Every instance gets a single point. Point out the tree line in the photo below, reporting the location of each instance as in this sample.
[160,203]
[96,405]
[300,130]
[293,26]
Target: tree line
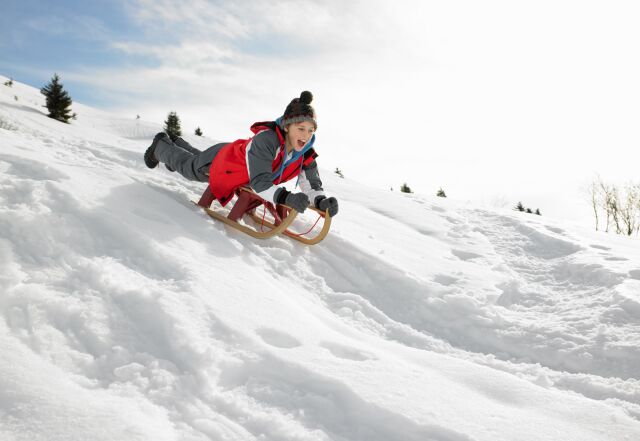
[58,103]
[521,208]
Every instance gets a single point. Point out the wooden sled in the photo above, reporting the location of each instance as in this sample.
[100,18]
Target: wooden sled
[248,201]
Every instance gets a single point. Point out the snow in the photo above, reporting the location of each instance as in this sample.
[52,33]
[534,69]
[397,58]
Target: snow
[127,313]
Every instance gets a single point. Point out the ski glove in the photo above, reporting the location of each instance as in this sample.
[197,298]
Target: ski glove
[297,201]
[324,203]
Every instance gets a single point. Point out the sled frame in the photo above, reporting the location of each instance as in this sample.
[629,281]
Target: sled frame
[247,202]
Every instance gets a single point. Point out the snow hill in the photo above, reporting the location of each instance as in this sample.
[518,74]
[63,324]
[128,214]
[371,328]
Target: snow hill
[126,313]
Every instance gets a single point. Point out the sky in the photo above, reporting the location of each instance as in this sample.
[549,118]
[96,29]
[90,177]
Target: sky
[495,102]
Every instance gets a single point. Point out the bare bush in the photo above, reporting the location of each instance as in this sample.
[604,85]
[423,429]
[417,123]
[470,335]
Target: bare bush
[620,206]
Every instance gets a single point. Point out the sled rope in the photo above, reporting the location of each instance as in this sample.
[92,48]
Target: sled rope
[264,213]
[308,231]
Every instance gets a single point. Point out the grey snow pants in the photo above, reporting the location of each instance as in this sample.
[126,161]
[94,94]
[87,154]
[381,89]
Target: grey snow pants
[187,160]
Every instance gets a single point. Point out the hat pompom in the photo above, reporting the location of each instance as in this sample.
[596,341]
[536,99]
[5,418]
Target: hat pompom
[298,110]
[306,97]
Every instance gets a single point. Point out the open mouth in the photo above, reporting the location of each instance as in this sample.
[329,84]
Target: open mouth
[301,143]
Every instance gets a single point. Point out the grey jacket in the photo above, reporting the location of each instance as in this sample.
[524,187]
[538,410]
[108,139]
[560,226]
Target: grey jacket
[261,151]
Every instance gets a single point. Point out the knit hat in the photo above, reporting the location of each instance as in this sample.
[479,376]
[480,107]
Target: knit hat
[298,110]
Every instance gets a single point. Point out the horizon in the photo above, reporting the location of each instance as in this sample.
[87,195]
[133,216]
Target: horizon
[495,103]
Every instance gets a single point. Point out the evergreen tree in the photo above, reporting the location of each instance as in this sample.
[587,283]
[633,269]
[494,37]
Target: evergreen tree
[58,100]
[172,125]
[520,207]
[405,188]
[9,82]
[339,172]
[198,131]
[538,212]
[528,210]
[441,193]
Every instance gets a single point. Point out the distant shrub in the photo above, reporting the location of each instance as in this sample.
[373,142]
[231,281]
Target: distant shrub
[441,193]
[405,188]
[198,132]
[172,125]
[58,100]
[339,172]
[9,82]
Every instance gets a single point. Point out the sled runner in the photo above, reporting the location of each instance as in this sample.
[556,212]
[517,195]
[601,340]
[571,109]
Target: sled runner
[248,201]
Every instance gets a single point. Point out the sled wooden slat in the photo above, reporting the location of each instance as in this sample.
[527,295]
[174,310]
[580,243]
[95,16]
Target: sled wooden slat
[251,232]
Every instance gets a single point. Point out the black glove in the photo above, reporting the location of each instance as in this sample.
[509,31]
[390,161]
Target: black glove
[297,201]
[324,203]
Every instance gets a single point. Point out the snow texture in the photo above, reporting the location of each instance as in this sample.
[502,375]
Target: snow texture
[127,313]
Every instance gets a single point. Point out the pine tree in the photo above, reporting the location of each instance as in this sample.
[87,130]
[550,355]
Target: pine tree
[198,131]
[405,188]
[58,100]
[528,210]
[538,212]
[9,82]
[172,125]
[339,172]
[441,193]
[520,207]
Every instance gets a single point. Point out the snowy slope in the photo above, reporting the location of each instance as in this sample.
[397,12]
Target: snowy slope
[127,313]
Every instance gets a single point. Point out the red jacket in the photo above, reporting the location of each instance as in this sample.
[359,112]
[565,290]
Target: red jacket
[229,168]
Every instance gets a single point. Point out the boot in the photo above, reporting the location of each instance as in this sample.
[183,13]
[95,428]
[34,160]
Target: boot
[149,156]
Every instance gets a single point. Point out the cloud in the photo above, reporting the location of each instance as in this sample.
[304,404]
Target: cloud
[242,57]
[312,25]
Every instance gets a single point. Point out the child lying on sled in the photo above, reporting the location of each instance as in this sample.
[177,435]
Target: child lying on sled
[279,151]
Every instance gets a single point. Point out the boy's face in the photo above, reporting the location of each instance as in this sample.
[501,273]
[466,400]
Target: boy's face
[298,134]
